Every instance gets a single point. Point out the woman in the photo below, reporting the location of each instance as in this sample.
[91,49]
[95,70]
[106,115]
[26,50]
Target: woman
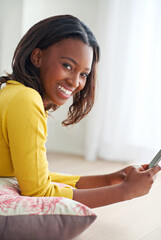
[56,60]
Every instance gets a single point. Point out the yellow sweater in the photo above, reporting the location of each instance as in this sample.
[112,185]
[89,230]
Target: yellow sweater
[23,132]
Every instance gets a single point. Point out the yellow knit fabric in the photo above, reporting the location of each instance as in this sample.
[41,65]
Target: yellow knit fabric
[23,133]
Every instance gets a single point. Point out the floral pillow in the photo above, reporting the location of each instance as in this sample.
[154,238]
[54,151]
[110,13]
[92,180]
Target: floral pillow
[39,218]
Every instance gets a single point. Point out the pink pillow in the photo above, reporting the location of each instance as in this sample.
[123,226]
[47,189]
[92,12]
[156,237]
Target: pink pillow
[39,218]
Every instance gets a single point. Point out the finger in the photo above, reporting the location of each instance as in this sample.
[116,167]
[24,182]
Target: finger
[127,169]
[123,175]
[145,166]
[154,170]
[133,169]
[141,168]
[137,167]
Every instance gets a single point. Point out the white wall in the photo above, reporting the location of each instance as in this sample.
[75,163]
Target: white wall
[36,10]
[18,16]
[10,29]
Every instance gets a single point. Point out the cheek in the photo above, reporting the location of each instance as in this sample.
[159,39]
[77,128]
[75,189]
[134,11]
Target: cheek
[82,84]
[50,74]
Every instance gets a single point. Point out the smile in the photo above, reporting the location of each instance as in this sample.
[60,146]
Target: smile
[67,92]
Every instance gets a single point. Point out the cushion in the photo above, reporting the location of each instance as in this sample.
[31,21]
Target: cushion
[40,218]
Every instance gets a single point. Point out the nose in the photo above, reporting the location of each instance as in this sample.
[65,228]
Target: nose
[74,81]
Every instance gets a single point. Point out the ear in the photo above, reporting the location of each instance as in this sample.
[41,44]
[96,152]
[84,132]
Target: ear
[36,57]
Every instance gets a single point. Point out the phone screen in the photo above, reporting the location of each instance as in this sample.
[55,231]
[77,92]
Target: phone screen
[155,160]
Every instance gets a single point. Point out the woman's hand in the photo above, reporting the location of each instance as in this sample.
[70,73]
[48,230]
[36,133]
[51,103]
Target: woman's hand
[118,177]
[128,183]
[138,181]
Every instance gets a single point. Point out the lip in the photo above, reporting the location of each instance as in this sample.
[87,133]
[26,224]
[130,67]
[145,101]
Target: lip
[62,94]
[66,87]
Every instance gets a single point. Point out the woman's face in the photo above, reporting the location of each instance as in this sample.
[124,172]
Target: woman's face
[64,68]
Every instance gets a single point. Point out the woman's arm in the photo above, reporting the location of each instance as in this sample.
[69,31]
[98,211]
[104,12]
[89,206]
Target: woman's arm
[96,181]
[25,128]
[137,183]
[98,197]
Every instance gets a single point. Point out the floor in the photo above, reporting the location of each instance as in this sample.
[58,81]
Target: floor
[137,219]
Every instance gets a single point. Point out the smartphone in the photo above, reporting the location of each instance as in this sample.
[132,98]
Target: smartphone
[155,160]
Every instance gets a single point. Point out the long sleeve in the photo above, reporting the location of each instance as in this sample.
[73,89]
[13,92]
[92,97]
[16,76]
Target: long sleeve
[63,178]
[26,132]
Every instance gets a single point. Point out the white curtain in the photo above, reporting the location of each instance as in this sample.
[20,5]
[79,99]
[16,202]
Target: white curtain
[125,124]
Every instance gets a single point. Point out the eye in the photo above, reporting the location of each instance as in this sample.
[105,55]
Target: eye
[84,75]
[67,66]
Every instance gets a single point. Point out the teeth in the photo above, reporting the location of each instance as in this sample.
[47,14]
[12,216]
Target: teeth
[64,90]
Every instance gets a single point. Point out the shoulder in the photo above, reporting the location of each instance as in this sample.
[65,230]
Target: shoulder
[26,99]
[27,94]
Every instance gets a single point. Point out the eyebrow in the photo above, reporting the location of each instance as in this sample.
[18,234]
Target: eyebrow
[72,60]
